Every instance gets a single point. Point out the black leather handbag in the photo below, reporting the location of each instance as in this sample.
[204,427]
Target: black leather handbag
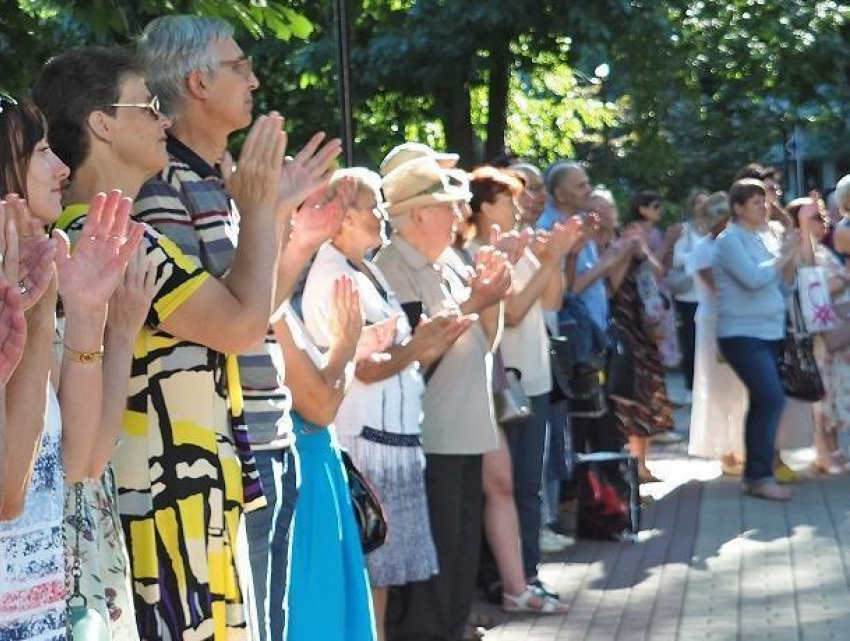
[367,508]
[798,369]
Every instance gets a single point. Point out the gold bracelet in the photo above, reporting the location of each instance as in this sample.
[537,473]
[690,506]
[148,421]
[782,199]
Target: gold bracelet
[86,358]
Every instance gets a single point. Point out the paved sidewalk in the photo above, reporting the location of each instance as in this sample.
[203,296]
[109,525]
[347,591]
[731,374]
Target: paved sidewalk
[710,564]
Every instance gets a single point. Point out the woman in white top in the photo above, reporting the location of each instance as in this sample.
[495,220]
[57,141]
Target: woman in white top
[513,473]
[379,417]
[719,398]
[682,285]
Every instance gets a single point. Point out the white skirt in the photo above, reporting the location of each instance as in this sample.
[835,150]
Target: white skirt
[720,400]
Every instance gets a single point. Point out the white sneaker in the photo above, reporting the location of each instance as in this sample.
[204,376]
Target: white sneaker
[551,542]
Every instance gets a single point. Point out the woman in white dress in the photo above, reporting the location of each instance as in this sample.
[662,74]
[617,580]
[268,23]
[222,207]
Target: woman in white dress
[719,398]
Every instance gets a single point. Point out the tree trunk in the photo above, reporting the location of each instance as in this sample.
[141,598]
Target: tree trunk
[453,107]
[497,97]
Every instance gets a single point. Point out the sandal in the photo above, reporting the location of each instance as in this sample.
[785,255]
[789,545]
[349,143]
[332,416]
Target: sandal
[827,466]
[523,603]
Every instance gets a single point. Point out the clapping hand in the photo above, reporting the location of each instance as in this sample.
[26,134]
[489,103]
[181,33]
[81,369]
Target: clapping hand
[307,173]
[512,243]
[36,252]
[320,217]
[89,276]
[346,320]
[436,334]
[129,305]
[492,279]
[13,324]
[376,339]
[254,183]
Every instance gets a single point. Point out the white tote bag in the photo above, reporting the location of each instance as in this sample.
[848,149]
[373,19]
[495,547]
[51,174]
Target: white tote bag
[815,300]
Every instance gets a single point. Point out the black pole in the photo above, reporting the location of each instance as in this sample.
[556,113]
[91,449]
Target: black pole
[344,70]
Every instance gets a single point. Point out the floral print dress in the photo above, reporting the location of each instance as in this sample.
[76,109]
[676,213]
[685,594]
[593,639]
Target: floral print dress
[105,580]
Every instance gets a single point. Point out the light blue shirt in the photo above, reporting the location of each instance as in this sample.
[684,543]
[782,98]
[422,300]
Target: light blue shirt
[750,293]
[595,296]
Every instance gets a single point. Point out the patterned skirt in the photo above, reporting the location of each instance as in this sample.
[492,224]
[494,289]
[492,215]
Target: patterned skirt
[395,466]
[648,411]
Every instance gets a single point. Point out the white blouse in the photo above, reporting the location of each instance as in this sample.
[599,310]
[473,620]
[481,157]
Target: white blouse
[392,405]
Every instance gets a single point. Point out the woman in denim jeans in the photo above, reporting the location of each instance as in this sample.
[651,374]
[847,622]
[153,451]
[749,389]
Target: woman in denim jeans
[751,286]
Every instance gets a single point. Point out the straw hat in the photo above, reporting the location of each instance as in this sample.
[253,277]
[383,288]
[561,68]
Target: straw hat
[419,183]
[411,151]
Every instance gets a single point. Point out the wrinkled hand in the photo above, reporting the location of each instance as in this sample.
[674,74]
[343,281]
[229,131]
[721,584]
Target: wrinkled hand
[436,334]
[307,173]
[376,338]
[13,323]
[492,280]
[89,276]
[129,305]
[254,183]
[320,217]
[555,245]
[346,319]
[35,252]
[512,243]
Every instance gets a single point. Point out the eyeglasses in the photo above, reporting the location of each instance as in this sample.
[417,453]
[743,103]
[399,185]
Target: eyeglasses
[6,99]
[151,107]
[655,206]
[241,66]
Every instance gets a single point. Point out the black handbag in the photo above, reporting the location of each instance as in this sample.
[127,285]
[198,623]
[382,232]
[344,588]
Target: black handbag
[798,369]
[367,508]
[580,383]
[621,365]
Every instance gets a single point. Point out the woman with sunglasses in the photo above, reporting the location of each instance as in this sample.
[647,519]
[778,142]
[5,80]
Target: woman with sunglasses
[61,446]
[646,411]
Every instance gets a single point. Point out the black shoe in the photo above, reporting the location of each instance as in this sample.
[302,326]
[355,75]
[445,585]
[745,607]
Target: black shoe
[542,590]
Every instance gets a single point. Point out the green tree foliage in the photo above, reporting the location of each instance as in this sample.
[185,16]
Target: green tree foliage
[697,87]
[33,30]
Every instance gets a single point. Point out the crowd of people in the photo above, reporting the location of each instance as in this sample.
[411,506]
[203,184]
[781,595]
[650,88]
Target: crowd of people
[190,345]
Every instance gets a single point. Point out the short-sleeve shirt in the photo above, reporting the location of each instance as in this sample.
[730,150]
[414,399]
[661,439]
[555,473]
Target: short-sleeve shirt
[526,345]
[595,295]
[190,206]
[458,399]
[394,404]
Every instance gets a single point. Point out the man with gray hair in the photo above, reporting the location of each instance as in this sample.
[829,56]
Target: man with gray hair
[182,508]
[568,189]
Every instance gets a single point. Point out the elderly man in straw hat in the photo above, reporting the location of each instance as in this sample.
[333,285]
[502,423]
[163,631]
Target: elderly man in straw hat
[458,427]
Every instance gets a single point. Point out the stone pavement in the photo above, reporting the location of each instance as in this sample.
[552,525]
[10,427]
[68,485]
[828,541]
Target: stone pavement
[709,564]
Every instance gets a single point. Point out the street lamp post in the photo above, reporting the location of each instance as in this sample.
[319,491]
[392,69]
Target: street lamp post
[344,70]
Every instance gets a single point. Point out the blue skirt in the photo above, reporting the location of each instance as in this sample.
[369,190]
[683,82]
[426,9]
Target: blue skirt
[328,596]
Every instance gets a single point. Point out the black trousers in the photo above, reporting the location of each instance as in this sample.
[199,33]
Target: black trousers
[437,609]
[687,339]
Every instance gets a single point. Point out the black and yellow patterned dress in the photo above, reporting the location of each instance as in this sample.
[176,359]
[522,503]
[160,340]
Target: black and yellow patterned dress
[182,471]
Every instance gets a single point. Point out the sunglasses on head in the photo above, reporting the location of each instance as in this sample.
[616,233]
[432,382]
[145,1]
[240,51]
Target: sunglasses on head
[7,101]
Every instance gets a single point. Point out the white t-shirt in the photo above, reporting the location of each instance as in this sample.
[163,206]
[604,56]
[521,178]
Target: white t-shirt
[684,246]
[526,346]
[392,405]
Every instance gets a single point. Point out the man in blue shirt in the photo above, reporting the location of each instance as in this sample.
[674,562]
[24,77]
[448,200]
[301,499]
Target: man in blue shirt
[568,189]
